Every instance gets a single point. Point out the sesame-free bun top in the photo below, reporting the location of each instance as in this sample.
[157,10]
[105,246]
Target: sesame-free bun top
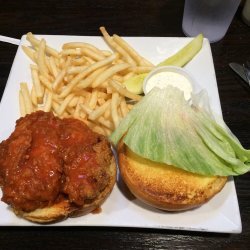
[163,186]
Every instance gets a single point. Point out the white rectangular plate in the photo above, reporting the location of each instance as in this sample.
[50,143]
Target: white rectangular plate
[220,214]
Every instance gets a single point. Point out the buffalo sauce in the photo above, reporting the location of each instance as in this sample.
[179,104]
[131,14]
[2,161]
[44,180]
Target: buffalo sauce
[47,158]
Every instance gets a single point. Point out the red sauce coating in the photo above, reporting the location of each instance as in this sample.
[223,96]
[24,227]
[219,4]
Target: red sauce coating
[47,157]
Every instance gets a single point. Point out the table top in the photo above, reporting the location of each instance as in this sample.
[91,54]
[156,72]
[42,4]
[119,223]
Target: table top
[132,18]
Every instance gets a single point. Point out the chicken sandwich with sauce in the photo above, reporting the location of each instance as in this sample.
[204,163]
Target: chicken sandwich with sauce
[53,168]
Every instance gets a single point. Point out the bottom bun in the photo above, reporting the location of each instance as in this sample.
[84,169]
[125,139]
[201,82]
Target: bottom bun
[65,208]
[163,186]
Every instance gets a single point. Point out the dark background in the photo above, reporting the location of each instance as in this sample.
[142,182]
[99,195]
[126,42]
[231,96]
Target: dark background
[131,18]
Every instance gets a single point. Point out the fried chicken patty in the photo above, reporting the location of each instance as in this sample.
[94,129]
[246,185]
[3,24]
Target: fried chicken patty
[47,158]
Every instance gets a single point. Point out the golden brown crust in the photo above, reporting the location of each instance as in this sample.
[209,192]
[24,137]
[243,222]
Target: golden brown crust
[65,209]
[165,187]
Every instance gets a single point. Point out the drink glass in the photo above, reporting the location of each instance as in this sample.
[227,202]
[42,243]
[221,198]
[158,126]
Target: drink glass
[246,12]
[209,17]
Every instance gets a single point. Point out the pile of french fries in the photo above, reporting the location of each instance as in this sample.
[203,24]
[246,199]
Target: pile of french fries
[82,81]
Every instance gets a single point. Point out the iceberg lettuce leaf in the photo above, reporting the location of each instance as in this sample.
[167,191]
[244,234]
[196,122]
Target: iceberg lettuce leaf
[164,127]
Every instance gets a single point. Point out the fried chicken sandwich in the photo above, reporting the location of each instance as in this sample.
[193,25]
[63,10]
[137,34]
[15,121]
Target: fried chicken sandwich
[52,168]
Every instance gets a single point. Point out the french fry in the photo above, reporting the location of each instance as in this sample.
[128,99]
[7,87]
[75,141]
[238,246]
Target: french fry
[93,99]
[35,42]
[98,129]
[30,53]
[107,131]
[33,96]
[92,54]
[81,92]
[73,101]
[123,107]
[76,69]
[22,104]
[107,114]
[85,108]
[117,78]
[77,112]
[62,61]
[116,47]
[103,85]
[79,61]
[114,109]
[37,84]
[88,96]
[58,80]
[55,105]
[102,95]
[106,52]
[45,81]
[53,66]
[57,99]
[109,90]
[64,104]
[107,123]
[74,45]
[90,78]
[100,101]
[99,111]
[71,52]
[108,73]
[48,64]
[26,98]
[48,102]
[90,60]
[140,61]
[42,67]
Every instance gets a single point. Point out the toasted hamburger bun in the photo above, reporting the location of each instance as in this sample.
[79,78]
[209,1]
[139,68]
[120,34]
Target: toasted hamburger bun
[163,186]
[65,208]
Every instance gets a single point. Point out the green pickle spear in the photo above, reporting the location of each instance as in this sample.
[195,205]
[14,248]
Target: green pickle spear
[134,84]
[180,59]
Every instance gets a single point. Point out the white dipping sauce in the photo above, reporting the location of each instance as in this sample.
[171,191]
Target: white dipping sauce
[163,79]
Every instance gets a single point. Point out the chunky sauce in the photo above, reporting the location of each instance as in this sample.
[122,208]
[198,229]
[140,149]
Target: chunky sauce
[46,158]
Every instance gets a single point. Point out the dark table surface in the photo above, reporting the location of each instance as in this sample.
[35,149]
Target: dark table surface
[131,18]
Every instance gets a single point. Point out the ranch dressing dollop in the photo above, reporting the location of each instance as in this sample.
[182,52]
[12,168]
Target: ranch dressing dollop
[163,79]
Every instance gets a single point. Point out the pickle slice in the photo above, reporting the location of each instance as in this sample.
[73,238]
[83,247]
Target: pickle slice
[186,54]
[180,59]
[134,84]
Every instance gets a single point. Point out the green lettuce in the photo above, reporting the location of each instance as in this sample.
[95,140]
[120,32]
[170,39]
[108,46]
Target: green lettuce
[164,127]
